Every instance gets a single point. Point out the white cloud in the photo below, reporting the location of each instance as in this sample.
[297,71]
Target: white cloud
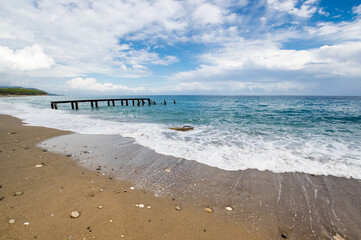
[208,14]
[91,84]
[26,59]
[306,10]
[357,9]
[256,62]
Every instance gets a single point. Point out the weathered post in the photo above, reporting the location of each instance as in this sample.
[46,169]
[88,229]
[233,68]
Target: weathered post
[149,102]
[76,105]
[174,101]
[56,106]
[154,102]
[122,102]
[92,104]
[126,102]
[165,103]
[113,103]
[96,104]
[108,103]
[72,105]
[133,102]
[52,106]
[138,102]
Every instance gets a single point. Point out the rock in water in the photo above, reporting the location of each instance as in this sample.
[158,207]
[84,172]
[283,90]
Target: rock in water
[178,208]
[208,210]
[75,214]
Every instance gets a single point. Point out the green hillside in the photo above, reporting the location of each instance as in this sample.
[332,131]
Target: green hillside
[21,91]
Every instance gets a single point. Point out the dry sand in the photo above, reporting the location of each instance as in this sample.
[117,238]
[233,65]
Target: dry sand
[60,186]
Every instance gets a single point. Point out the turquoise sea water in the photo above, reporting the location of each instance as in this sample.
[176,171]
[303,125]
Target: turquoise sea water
[318,135]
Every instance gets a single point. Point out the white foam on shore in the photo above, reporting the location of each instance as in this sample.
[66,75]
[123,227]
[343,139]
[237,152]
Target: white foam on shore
[223,148]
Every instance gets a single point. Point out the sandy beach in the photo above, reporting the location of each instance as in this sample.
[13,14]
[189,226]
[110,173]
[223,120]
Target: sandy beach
[93,175]
[50,193]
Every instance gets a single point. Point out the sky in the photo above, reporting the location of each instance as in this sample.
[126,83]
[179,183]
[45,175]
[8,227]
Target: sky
[221,47]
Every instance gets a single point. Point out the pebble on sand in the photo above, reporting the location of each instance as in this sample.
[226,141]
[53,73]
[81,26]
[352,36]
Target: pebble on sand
[208,210]
[12,221]
[26,223]
[39,165]
[132,188]
[75,214]
[338,237]
[167,170]
[178,208]
[149,207]
[18,193]
[100,206]
[229,208]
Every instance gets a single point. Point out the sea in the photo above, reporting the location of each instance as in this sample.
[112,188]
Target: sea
[318,135]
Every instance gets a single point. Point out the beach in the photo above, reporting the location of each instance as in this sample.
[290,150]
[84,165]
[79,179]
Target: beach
[85,178]
[51,192]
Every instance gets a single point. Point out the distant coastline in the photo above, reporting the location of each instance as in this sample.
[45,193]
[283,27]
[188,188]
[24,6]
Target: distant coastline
[16,91]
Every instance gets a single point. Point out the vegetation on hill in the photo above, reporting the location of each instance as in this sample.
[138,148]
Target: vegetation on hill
[21,91]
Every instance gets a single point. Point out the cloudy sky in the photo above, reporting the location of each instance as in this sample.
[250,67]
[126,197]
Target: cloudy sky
[306,47]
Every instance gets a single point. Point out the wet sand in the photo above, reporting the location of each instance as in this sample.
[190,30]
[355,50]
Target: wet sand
[265,205]
[297,205]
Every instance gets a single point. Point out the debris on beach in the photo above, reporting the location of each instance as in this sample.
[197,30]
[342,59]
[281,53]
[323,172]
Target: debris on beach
[26,223]
[101,190]
[140,205]
[149,207]
[182,129]
[178,208]
[74,214]
[12,221]
[10,133]
[167,170]
[229,208]
[132,188]
[338,237]
[208,210]
[100,206]
[38,165]
[18,193]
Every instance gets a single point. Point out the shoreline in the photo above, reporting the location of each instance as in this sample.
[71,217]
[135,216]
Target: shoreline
[293,204]
[265,205]
[51,192]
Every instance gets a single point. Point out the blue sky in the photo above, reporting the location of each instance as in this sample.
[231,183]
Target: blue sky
[303,47]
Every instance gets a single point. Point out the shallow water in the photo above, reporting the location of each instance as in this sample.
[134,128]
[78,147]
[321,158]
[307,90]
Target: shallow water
[316,135]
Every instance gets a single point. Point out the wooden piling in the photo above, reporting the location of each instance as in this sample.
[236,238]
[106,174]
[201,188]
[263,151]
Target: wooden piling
[92,104]
[122,102]
[113,102]
[72,105]
[96,104]
[126,102]
[76,105]
[133,102]
[108,103]
[165,103]
[52,106]
[56,106]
